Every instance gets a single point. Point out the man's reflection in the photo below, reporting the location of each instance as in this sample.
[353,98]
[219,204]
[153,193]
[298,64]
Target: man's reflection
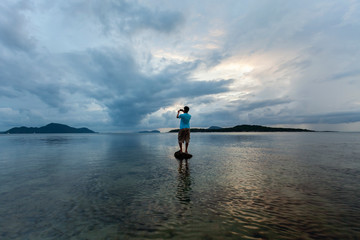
[184,182]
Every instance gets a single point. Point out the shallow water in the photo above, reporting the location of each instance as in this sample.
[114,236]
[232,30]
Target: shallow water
[130,186]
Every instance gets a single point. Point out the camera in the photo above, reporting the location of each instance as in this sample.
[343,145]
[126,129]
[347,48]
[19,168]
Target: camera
[181,110]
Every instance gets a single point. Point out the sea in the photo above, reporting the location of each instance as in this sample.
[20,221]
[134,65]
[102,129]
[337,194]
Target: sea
[130,186]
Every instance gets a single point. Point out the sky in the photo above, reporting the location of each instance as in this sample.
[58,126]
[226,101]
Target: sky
[115,65]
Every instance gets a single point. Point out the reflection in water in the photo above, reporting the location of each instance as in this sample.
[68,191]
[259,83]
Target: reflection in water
[184,182]
[55,140]
[129,186]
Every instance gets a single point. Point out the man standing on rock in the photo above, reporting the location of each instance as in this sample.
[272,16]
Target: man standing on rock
[184,132]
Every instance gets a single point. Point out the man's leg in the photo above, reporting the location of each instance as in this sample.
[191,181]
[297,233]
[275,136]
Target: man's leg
[187,140]
[180,145]
[180,139]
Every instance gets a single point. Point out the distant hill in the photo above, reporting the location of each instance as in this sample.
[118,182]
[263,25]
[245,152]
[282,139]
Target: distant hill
[214,127]
[153,131]
[50,128]
[247,128]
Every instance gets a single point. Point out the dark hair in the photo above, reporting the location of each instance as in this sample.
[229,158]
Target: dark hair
[186,109]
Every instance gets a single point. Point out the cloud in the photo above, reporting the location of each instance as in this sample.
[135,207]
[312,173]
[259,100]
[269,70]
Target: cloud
[123,16]
[23,74]
[249,106]
[243,112]
[109,76]
[14,32]
[129,94]
[287,118]
[347,74]
[331,118]
[130,64]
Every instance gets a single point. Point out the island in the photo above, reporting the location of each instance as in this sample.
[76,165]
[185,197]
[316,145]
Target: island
[50,128]
[153,131]
[246,128]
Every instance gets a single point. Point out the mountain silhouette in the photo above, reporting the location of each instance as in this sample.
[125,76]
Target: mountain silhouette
[246,128]
[50,128]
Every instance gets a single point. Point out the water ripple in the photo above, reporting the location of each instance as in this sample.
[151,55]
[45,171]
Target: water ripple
[237,186]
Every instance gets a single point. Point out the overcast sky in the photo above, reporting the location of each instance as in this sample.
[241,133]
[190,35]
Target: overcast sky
[129,65]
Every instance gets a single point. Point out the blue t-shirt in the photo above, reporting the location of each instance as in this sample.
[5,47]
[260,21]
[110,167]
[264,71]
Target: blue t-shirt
[184,120]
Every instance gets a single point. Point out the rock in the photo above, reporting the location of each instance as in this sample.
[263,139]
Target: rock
[181,155]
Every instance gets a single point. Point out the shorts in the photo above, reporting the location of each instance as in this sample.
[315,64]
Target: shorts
[184,135]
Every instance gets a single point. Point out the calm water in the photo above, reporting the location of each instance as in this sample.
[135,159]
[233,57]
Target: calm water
[129,186]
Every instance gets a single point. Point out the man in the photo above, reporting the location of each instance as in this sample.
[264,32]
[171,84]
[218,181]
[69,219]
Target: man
[184,132]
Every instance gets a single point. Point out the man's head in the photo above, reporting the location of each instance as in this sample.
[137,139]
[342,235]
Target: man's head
[186,109]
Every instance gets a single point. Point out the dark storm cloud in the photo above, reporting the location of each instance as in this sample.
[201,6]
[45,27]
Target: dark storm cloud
[14,34]
[49,94]
[130,94]
[113,79]
[130,111]
[25,74]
